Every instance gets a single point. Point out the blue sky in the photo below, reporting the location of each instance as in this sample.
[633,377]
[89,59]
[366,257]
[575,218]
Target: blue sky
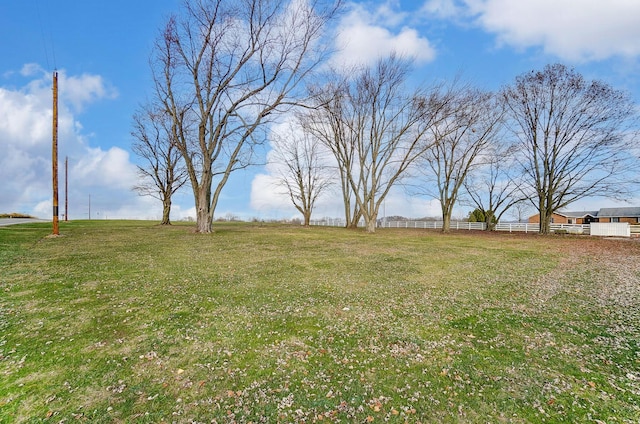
[101,51]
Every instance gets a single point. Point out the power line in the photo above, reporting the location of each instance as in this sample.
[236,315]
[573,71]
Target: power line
[47,36]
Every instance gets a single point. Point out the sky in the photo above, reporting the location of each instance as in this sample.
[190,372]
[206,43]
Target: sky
[101,50]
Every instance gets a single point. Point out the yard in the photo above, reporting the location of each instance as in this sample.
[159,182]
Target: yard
[125,321]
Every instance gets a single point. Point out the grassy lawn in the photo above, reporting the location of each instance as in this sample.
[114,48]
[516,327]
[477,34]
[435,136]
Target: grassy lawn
[131,322]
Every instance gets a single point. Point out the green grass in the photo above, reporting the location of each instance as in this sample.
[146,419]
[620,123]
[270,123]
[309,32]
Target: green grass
[122,321]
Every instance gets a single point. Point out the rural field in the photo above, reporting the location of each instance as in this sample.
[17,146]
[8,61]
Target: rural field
[130,322]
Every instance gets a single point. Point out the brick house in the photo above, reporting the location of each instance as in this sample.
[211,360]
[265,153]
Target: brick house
[630,215]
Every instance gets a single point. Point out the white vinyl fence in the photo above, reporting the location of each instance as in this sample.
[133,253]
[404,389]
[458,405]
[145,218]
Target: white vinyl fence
[434,225]
[511,227]
[611,229]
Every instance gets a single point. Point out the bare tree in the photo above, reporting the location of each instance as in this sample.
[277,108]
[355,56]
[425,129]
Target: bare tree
[331,123]
[223,69]
[520,211]
[494,188]
[573,135]
[303,170]
[374,126]
[162,172]
[467,127]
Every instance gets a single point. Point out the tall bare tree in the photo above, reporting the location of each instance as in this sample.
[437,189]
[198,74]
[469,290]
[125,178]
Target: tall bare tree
[331,123]
[223,69]
[304,172]
[574,137]
[375,125]
[467,127]
[162,171]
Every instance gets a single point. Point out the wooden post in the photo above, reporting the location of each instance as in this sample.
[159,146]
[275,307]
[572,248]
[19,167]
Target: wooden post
[54,154]
[66,188]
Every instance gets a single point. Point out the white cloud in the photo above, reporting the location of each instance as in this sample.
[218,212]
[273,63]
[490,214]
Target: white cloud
[572,30]
[443,9]
[267,195]
[110,167]
[31,69]
[25,143]
[84,89]
[366,36]
[399,203]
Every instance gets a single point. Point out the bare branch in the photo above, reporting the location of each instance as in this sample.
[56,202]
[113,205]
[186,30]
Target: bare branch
[466,128]
[304,173]
[162,171]
[574,138]
[225,68]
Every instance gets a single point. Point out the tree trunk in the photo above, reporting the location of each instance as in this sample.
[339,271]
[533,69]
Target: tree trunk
[490,225]
[348,218]
[545,223]
[446,222]
[371,226]
[545,218]
[355,218]
[347,214]
[203,224]
[447,209]
[307,218]
[489,221]
[166,211]
[203,213]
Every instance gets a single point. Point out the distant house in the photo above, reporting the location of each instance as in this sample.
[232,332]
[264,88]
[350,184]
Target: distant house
[630,215]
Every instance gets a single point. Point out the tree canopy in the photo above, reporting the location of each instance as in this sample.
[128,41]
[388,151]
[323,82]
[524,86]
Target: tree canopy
[573,137]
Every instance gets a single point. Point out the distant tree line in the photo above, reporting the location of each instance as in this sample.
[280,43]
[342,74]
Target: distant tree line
[224,72]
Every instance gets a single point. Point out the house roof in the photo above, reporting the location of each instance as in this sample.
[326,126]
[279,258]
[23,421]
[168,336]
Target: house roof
[619,212]
[629,212]
[604,213]
[580,214]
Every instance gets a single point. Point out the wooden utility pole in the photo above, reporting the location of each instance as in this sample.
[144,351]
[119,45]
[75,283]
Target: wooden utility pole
[66,188]
[54,154]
